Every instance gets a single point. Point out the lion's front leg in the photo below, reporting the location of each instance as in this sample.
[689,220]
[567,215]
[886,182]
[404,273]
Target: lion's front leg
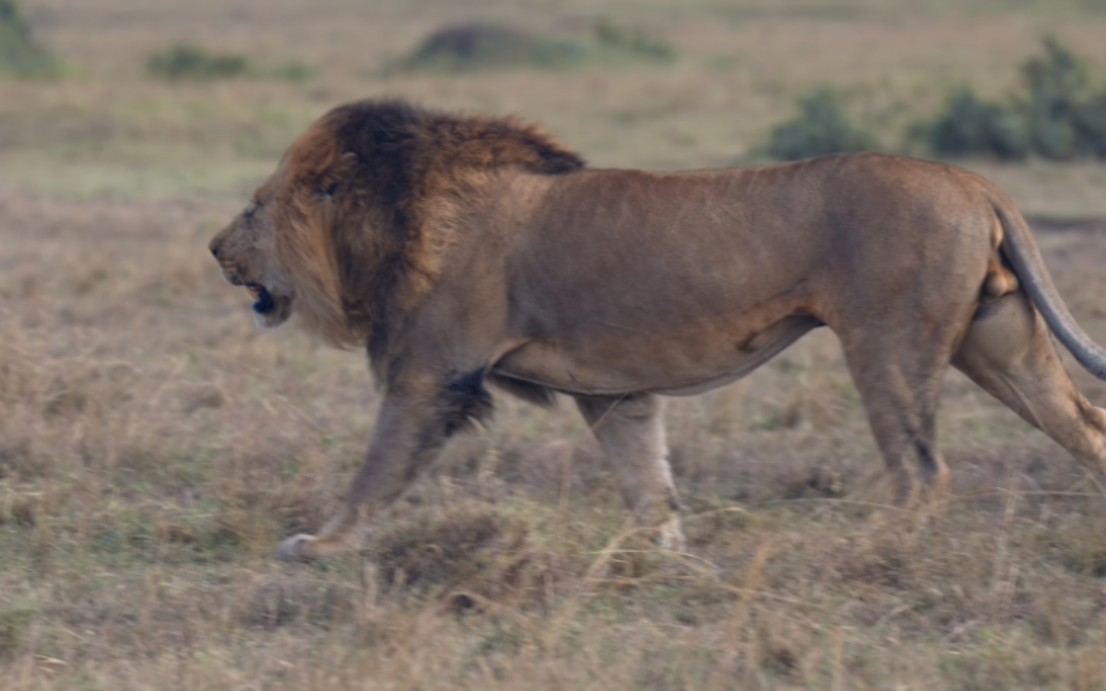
[410,430]
[631,431]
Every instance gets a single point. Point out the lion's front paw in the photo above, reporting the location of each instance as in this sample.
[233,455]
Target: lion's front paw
[298,548]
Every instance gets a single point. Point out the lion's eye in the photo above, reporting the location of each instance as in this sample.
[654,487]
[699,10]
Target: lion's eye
[329,192]
[250,211]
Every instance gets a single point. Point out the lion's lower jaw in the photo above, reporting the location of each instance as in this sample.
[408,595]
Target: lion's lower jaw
[263,322]
[269,320]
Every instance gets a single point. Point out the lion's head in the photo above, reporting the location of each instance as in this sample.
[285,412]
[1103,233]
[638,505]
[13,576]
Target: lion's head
[280,247]
[359,209]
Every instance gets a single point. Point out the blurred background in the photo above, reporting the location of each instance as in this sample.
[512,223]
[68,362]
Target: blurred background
[155,446]
[108,98]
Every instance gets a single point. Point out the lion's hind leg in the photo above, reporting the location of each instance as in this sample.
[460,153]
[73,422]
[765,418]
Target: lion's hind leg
[631,431]
[1009,352]
[900,389]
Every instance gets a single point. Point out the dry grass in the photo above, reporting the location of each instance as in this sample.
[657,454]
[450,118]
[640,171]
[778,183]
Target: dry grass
[154,446]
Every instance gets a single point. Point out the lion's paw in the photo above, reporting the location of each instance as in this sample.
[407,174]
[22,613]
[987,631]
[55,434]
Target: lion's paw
[671,537]
[297,548]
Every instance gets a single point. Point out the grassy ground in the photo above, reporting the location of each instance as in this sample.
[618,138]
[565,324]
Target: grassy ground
[154,446]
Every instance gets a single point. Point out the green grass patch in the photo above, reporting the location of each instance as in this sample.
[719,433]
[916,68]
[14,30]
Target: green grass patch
[185,61]
[15,623]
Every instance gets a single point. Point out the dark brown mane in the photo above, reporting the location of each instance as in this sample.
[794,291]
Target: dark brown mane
[402,149]
[398,176]
[397,134]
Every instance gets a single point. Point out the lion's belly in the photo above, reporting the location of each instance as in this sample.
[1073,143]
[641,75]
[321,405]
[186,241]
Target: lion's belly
[617,362]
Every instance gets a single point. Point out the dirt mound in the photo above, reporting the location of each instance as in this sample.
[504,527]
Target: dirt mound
[472,47]
[479,46]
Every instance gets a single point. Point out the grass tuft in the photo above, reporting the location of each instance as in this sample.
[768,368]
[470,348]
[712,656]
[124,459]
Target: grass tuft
[185,61]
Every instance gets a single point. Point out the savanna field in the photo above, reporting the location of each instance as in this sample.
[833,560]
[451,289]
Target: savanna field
[155,446]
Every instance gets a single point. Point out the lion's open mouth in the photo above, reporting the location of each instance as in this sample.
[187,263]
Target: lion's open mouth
[263,302]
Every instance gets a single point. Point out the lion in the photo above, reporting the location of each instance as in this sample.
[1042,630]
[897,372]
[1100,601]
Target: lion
[463,252]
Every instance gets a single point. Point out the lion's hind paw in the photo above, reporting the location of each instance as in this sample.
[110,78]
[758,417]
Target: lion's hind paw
[297,548]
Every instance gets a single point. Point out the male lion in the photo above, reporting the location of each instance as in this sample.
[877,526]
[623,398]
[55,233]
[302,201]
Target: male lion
[461,250]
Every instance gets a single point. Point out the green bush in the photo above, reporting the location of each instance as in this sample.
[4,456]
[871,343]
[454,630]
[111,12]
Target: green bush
[821,127]
[20,54]
[1090,126]
[1055,114]
[1056,86]
[185,61]
[969,125]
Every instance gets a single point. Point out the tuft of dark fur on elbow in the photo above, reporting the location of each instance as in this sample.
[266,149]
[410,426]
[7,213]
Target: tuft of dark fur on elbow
[465,402]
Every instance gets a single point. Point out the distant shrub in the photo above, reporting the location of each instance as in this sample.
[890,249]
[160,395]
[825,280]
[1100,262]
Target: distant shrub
[821,127]
[1056,86]
[969,125]
[480,46]
[20,54]
[475,47]
[185,61]
[1090,126]
[1055,114]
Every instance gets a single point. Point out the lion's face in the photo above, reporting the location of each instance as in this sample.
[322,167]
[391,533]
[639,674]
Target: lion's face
[246,251]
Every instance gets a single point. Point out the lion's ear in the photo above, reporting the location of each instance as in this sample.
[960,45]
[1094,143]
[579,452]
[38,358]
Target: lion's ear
[341,170]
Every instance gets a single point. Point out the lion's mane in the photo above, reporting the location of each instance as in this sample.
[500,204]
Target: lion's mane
[398,178]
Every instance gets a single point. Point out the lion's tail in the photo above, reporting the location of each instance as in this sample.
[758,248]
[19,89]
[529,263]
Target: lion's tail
[1026,259]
